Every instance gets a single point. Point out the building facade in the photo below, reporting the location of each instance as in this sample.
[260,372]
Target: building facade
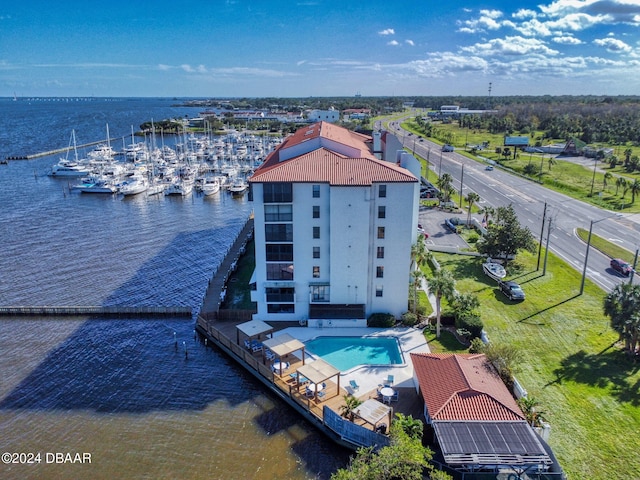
[334,226]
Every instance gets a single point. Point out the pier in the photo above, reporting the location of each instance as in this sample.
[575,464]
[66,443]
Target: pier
[56,151]
[95,311]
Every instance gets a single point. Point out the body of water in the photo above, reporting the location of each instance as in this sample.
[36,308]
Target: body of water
[142,397]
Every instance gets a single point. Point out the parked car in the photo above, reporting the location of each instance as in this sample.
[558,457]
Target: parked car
[450,225]
[511,289]
[447,148]
[621,266]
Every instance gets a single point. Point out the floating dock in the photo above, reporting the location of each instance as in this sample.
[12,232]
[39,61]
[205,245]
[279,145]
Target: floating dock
[57,150]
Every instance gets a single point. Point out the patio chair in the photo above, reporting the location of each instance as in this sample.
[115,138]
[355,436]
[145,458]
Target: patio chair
[269,354]
[396,396]
[247,344]
[321,394]
[390,380]
[354,385]
[256,347]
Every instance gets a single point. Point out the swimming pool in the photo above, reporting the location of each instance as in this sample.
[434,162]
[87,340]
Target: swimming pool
[345,353]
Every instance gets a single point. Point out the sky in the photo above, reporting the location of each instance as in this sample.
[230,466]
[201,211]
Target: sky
[303,48]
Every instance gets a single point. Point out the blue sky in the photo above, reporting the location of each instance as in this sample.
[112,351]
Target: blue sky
[305,48]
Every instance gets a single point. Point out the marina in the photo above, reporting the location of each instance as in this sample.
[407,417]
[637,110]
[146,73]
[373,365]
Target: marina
[121,388]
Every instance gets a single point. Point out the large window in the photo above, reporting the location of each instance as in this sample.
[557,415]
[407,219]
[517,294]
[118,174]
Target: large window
[281,308]
[316,191]
[380,232]
[379,272]
[316,252]
[316,232]
[316,271]
[279,271]
[379,291]
[320,293]
[279,252]
[278,213]
[382,211]
[382,191]
[316,211]
[278,232]
[380,252]
[279,295]
[277,193]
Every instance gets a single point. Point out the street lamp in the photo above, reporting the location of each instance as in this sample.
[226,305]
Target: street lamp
[586,255]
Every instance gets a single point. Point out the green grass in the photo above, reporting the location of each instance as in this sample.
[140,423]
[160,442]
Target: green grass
[571,363]
[608,248]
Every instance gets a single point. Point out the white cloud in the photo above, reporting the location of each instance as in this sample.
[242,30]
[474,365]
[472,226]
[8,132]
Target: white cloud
[612,44]
[524,13]
[393,43]
[514,45]
[609,11]
[566,40]
[409,42]
[387,31]
[533,28]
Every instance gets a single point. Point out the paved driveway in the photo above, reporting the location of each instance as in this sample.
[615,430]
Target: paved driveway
[432,220]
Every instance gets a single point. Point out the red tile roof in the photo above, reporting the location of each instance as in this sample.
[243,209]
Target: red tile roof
[326,161]
[463,387]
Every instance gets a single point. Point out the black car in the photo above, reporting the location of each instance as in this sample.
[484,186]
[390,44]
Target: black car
[512,290]
[621,266]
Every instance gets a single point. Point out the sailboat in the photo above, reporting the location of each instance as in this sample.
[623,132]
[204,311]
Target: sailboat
[70,168]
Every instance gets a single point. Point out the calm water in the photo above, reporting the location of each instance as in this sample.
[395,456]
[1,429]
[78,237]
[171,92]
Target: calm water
[121,390]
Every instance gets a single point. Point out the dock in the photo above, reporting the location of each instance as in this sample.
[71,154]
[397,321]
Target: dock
[94,311]
[56,151]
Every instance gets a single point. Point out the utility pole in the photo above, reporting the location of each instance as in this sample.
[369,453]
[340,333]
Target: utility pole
[544,214]
[461,177]
[546,250]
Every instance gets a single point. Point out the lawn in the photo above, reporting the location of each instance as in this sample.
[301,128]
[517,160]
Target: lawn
[571,363]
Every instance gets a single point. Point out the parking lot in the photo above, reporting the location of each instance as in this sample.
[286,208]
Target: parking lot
[432,220]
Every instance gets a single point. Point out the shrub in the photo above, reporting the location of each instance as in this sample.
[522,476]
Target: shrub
[471,322]
[409,319]
[477,346]
[473,238]
[381,320]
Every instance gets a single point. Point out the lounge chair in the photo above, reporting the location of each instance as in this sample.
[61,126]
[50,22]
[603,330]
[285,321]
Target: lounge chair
[247,344]
[390,379]
[354,385]
[256,347]
[269,354]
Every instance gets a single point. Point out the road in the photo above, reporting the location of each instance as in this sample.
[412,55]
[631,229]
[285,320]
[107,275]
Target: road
[500,188]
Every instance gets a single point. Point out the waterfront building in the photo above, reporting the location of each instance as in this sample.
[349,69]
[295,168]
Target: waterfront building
[332,115]
[336,214]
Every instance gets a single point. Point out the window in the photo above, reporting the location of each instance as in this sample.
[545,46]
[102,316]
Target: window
[380,252]
[280,308]
[316,252]
[279,295]
[279,252]
[277,193]
[382,191]
[316,232]
[316,191]
[379,291]
[382,211]
[278,213]
[320,293]
[316,271]
[316,211]
[379,272]
[278,232]
[279,271]
[380,232]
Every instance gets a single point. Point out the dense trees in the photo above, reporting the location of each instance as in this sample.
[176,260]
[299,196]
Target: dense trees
[622,306]
[505,236]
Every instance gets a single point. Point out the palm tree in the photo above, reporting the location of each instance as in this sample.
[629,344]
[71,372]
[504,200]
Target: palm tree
[420,254]
[607,176]
[445,184]
[488,211]
[620,182]
[417,276]
[529,407]
[627,156]
[442,284]
[622,305]
[551,161]
[471,198]
[351,403]
[635,189]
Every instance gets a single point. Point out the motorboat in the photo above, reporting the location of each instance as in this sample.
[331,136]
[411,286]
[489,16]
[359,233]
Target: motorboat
[69,168]
[238,187]
[180,187]
[210,186]
[97,185]
[493,269]
[134,185]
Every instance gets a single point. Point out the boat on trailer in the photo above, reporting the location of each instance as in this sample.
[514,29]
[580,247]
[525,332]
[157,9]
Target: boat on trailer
[493,269]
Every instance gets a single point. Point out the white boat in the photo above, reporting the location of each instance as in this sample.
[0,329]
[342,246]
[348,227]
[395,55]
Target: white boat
[238,187]
[134,185]
[70,168]
[210,186]
[155,188]
[181,187]
[494,270]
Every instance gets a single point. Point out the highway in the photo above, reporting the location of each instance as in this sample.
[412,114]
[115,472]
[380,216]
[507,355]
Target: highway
[501,188]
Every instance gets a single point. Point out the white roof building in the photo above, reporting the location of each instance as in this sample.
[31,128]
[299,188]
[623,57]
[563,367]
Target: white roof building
[334,226]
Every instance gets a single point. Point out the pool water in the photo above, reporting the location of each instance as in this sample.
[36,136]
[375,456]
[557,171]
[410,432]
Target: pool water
[345,353]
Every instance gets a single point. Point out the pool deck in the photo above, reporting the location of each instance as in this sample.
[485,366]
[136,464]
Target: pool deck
[369,377]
